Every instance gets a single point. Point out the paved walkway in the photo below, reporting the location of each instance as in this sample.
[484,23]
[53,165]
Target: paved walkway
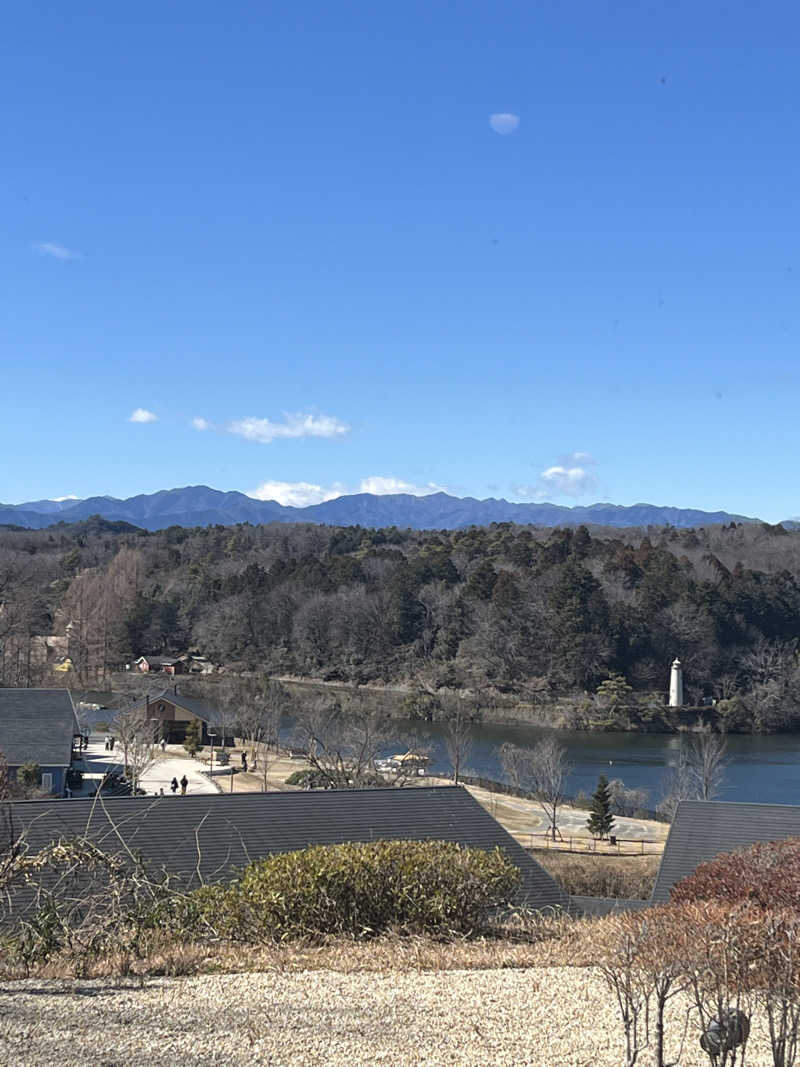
[165,767]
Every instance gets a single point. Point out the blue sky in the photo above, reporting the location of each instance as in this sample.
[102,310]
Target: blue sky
[299,224]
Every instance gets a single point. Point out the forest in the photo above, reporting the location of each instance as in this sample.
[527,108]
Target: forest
[583,620]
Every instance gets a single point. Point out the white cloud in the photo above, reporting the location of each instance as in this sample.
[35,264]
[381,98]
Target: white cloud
[142,415]
[504,122]
[302,494]
[568,477]
[380,485]
[295,494]
[200,423]
[299,425]
[61,499]
[56,251]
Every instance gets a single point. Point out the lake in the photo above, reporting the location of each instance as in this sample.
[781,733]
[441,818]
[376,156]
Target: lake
[764,768]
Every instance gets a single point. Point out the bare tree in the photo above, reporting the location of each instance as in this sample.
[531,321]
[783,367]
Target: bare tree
[457,732]
[698,771]
[542,770]
[261,705]
[641,962]
[341,745]
[136,733]
[344,739]
[706,759]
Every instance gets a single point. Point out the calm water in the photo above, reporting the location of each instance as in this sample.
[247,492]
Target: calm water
[763,768]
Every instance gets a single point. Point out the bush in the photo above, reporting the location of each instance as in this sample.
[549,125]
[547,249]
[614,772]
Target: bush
[362,890]
[626,877]
[30,776]
[303,778]
[765,874]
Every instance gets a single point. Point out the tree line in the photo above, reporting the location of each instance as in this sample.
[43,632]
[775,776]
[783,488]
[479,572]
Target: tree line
[594,616]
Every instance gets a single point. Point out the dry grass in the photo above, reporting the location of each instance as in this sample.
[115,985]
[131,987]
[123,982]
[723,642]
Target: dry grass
[629,877]
[525,941]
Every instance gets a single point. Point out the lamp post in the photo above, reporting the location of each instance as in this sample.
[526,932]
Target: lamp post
[212,734]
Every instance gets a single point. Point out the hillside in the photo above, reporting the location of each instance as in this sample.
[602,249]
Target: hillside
[508,612]
[200,506]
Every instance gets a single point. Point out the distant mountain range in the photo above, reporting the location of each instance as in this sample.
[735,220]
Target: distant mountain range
[200,506]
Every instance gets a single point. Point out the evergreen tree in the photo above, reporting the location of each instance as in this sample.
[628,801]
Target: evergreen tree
[601,821]
[192,741]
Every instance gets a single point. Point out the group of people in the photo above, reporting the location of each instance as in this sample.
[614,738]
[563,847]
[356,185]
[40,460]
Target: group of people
[110,743]
[184,784]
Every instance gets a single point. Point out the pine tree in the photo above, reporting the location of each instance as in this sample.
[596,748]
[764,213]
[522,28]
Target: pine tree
[192,741]
[601,821]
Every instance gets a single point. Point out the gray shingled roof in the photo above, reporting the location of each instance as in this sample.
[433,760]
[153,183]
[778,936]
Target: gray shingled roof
[218,834]
[597,906]
[36,726]
[702,829]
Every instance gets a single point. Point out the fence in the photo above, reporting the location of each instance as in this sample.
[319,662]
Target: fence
[615,846]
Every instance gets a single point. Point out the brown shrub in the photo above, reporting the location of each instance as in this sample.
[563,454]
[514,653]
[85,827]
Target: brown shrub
[766,875]
[626,877]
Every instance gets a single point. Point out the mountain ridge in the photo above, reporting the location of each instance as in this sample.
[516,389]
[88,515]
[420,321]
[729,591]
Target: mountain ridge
[199,505]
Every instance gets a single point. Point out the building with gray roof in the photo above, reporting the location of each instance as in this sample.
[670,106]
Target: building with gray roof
[38,726]
[173,711]
[702,829]
[203,839]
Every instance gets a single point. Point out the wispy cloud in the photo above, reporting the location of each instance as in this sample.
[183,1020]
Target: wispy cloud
[296,494]
[199,423]
[381,485]
[571,476]
[61,499]
[504,122]
[298,425]
[142,415]
[56,251]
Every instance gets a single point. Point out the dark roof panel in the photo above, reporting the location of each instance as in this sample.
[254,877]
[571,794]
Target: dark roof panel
[702,829]
[37,726]
[597,906]
[208,837]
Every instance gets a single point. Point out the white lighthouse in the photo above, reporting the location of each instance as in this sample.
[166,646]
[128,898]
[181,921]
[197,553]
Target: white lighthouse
[676,685]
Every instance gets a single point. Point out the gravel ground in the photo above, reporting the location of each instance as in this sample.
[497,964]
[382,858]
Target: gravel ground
[541,1017]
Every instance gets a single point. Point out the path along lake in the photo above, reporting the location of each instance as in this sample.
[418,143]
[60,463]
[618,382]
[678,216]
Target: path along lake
[763,768]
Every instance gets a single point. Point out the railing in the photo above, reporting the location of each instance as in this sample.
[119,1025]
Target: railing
[614,846]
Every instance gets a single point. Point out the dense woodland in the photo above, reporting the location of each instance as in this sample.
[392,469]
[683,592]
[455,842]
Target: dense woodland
[588,619]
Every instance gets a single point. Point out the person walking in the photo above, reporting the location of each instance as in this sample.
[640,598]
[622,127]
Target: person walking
[184,785]
[244,761]
[163,744]
[174,786]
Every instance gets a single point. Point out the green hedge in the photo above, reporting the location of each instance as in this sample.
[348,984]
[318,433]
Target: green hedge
[361,890]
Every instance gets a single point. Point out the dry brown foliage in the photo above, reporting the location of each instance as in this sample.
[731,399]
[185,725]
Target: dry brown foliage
[524,941]
[625,877]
